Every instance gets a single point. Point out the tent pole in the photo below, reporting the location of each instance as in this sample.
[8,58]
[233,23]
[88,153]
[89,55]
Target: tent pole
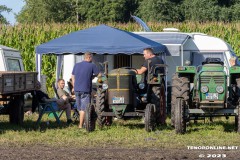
[38,66]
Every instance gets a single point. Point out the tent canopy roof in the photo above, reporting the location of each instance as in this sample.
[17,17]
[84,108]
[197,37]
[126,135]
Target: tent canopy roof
[101,39]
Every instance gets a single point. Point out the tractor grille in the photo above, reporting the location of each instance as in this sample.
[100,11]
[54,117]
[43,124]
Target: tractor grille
[112,82]
[124,82]
[216,79]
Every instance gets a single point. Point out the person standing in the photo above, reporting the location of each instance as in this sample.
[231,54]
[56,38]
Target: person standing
[82,76]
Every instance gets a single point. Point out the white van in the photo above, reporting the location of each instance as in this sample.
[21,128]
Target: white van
[182,47]
[10,59]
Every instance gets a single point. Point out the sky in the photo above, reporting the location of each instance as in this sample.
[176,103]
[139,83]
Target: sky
[15,5]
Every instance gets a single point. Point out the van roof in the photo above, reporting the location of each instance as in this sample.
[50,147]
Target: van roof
[190,41]
[7,48]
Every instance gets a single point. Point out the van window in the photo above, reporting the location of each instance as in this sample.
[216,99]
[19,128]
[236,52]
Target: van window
[199,57]
[13,64]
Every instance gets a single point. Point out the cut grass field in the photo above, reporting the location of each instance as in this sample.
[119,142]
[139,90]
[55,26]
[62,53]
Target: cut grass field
[122,134]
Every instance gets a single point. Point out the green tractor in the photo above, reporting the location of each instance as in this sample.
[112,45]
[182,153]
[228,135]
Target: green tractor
[205,91]
[123,94]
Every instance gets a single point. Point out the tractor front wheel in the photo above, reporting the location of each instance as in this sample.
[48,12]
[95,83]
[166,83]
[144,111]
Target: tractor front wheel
[159,99]
[180,88]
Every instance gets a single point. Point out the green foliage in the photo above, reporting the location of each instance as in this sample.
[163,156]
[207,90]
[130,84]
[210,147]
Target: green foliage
[160,10]
[3,8]
[107,10]
[189,10]
[38,11]
[26,37]
[60,11]
[204,10]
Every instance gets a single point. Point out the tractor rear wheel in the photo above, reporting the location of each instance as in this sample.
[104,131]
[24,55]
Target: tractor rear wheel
[90,118]
[180,88]
[159,99]
[101,106]
[150,118]
[237,117]
[237,120]
[180,120]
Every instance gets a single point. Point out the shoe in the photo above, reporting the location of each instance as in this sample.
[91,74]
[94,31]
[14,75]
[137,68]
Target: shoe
[69,121]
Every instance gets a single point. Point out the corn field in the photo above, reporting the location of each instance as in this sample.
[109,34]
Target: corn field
[26,37]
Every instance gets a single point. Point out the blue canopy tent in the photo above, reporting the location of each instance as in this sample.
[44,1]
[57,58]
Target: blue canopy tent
[101,39]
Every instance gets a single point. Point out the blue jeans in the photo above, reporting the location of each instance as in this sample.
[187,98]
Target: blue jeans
[82,100]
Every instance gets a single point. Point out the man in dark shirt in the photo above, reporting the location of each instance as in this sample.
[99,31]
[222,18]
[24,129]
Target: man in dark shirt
[148,54]
[82,75]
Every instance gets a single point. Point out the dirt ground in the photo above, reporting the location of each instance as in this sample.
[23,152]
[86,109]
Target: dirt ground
[46,152]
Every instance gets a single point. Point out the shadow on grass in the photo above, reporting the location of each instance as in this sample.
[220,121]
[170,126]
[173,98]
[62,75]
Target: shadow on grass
[31,125]
[227,126]
[137,123]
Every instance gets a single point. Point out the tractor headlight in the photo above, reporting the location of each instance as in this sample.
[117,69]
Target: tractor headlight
[141,85]
[219,89]
[100,80]
[204,89]
[104,86]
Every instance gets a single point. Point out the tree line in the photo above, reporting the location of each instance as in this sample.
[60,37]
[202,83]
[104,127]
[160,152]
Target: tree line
[3,8]
[78,11]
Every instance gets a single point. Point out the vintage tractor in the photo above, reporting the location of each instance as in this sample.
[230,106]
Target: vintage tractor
[205,91]
[121,94]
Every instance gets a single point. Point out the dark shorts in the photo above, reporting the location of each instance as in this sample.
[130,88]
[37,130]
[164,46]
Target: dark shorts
[82,100]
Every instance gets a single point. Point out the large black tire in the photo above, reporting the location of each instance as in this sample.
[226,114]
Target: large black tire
[101,106]
[16,110]
[238,88]
[237,120]
[180,88]
[150,118]
[180,120]
[90,118]
[237,96]
[236,91]
[159,99]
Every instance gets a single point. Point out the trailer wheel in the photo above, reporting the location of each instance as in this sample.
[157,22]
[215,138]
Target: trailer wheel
[180,88]
[150,119]
[90,118]
[180,120]
[159,99]
[101,106]
[16,112]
